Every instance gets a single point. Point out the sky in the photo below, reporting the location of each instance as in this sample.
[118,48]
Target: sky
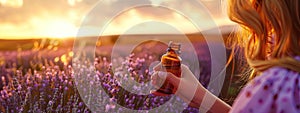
[63,18]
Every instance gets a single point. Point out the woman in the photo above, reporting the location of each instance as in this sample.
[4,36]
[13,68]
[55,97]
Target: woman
[270,35]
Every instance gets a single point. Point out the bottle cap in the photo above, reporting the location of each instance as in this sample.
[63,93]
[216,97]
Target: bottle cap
[175,46]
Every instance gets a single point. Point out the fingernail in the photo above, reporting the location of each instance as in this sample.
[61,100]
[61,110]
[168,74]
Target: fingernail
[162,74]
[152,91]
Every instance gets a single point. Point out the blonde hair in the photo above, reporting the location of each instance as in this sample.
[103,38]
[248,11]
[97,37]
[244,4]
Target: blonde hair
[263,21]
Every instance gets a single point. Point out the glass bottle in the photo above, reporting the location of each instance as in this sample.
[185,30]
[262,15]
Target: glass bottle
[171,62]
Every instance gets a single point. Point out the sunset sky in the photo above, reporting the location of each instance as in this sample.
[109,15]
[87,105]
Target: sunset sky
[62,18]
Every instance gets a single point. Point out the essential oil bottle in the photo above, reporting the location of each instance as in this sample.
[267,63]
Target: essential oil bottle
[171,61]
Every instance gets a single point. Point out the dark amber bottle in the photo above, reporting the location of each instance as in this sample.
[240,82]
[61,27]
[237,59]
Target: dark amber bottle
[171,62]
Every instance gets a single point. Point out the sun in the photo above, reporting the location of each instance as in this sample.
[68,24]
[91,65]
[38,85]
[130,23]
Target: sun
[55,28]
[60,29]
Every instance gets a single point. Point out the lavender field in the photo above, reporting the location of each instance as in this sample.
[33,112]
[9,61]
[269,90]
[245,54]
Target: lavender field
[40,78]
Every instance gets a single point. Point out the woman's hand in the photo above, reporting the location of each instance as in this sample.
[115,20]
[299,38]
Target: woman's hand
[189,89]
[185,87]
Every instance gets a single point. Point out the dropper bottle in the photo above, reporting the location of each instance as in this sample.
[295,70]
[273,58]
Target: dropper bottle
[171,62]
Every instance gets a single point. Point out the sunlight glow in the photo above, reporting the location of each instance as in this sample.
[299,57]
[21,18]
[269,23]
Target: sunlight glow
[56,59]
[2,1]
[55,28]
[60,29]
[12,3]
[73,2]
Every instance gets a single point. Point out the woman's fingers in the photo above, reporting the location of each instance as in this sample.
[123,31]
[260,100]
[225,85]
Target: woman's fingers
[154,78]
[171,78]
[158,79]
[184,84]
[157,67]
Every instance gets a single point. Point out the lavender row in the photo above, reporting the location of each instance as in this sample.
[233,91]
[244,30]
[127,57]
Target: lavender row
[34,82]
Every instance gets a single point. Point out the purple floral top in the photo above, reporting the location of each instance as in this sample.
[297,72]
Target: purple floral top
[277,90]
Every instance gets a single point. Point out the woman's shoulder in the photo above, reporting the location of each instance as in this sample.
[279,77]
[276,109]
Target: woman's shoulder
[278,75]
[275,90]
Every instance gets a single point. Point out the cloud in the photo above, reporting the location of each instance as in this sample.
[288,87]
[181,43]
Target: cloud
[149,20]
[172,10]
